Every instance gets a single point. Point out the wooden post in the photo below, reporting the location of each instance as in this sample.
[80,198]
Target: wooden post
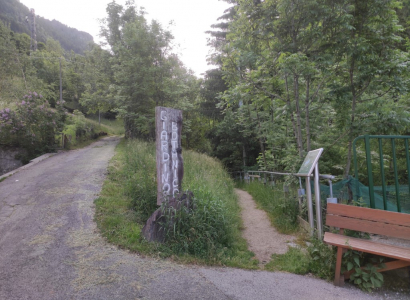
[170,169]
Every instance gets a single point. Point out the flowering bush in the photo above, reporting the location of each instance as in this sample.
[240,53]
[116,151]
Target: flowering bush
[32,125]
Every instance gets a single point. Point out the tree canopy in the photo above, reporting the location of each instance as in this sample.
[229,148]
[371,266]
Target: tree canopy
[292,76]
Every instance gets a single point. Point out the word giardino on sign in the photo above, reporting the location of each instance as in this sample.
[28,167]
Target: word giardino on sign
[169,158]
[166,187]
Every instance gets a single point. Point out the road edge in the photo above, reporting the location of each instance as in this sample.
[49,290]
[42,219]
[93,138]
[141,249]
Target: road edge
[31,163]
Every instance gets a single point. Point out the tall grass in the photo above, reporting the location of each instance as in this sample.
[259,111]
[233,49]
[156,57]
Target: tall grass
[283,210]
[208,234]
[213,226]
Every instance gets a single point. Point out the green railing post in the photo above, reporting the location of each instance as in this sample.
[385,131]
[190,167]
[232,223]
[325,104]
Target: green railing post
[396,176]
[356,172]
[369,170]
[406,145]
[380,138]
[382,173]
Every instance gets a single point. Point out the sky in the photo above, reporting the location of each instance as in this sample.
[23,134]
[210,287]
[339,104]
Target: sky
[191,18]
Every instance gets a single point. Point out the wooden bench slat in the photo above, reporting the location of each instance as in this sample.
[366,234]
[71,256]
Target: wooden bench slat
[367,246]
[369,214]
[393,230]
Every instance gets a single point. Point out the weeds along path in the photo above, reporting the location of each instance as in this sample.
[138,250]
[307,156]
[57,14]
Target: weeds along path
[262,238]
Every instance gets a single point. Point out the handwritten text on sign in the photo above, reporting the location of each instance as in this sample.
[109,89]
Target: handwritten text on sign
[169,158]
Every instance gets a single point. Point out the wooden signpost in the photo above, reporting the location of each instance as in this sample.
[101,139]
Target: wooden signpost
[170,169]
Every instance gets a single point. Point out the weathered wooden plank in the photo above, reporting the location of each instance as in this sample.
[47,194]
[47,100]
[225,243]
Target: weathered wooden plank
[170,170]
[339,280]
[367,246]
[368,226]
[369,214]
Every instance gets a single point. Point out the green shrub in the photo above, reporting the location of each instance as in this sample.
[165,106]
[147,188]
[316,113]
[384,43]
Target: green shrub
[322,259]
[32,125]
[78,129]
[367,278]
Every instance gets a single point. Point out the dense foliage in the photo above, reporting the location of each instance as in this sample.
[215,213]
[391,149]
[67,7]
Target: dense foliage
[293,76]
[309,74]
[32,125]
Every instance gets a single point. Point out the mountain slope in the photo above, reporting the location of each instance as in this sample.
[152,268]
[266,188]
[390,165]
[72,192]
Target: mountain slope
[13,14]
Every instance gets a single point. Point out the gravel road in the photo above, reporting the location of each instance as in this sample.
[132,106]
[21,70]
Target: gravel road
[50,247]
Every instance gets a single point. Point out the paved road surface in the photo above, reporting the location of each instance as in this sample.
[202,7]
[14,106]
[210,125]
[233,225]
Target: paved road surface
[50,247]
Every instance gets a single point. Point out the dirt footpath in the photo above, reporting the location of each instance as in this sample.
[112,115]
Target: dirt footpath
[50,247]
[263,239]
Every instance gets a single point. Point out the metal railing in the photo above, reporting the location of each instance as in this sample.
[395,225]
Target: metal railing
[380,138]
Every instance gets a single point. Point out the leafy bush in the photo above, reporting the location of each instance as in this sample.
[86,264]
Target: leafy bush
[32,125]
[320,260]
[323,259]
[78,129]
[366,278]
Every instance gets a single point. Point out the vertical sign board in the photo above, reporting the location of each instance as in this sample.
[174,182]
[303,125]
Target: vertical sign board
[311,163]
[170,169]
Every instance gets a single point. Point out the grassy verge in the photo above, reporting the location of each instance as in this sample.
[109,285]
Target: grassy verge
[208,235]
[282,210]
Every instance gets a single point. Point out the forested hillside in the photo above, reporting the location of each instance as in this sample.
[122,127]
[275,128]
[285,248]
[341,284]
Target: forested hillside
[13,14]
[139,72]
[293,76]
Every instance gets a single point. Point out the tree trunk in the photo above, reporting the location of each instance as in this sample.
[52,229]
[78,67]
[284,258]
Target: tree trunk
[244,156]
[261,141]
[295,133]
[298,122]
[351,137]
[307,115]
